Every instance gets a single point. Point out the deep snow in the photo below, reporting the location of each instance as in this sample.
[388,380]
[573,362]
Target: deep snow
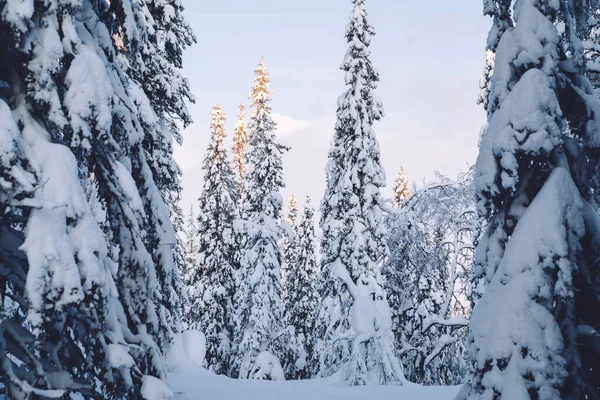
[189,381]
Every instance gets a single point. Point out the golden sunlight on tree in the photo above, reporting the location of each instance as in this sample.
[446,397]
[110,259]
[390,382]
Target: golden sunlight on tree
[401,190]
[240,142]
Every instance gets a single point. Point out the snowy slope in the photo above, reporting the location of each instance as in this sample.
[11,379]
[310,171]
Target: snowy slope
[190,382]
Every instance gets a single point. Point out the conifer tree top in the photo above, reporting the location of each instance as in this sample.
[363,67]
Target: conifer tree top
[240,142]
[261,92]
[401,190]
[241,122]
[359,28]
[217,126]
[354,166]
[360,75]
[218,120]
[263,155]
[292,210]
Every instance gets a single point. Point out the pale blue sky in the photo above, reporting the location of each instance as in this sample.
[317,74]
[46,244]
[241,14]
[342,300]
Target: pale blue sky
[430,55]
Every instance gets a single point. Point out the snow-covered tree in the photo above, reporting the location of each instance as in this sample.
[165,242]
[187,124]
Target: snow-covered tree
[499,10]
[211,283]
[292,216]
[290,243]
[592,50]
[259,334]
[169,34]
[190,233]
[401,190]
[592,55]
[156,66]
[189,238]
[301,297]
[484,83]
[427,279]
[181,265]
[533,332]
[111,151]
[353,327]
[76,190]
[240,143]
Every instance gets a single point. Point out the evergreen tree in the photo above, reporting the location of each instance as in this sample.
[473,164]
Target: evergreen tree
[292,217]
[530,331]
[484,83]
[189,255]
[169,34]
[401,190]
[353,331]
[500,13]
[157,67]
[111,151]
[259,330]
[240,143]
[191,241]
[592,50]
[592,53]
[77,189]
[212,281]
[293,357]
[301,297]
[181,266]
[290,243]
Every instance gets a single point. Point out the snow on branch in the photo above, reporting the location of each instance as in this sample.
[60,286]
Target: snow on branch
[458,321]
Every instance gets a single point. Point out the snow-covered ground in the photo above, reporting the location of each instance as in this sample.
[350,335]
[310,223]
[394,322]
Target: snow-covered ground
[189,381]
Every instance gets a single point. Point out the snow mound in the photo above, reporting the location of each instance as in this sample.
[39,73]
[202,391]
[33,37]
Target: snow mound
[188,347]
[177,353]
[267,366]
[192,382]
[118,356]
[194,344]
[155,389]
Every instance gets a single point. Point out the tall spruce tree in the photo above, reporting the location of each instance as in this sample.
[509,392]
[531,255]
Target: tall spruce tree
[533,330]
[212,283]
[77,189]
[157,67]
[301,297]
[292,217]
[501,16]
[293,358]
[488,71]
[353,327]
[179,301]
[110,150]
[592,53]
[240,143]
[290,243]
[259,330]
[191,240]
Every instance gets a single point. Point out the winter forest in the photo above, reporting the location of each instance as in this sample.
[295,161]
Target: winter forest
[479,284]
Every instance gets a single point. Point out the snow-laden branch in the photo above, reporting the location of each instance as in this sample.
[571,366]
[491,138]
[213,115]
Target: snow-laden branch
[443,342]
[591,337]
[408,348]
[431,256]
[457,321]
[587,331]
[417,194]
